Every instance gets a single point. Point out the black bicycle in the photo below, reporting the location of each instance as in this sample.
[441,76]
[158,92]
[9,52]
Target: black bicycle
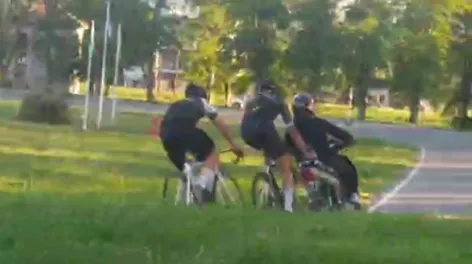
[225,189]
[322,194]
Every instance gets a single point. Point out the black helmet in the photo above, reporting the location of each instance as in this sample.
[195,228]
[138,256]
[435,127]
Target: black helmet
[194,91]
[301,100]
[267,86]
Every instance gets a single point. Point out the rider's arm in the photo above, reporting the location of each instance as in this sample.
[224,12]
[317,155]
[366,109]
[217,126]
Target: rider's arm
[157,121]
[338,133]
[217,121]
[293,131]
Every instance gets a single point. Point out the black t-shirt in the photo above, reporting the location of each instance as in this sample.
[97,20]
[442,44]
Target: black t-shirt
[263,109]
[315,132]
[182,116]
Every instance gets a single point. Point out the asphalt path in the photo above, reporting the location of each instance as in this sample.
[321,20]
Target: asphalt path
[440,183]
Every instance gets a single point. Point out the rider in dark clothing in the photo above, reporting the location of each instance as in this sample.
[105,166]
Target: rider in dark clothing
[180,134]
[258,131]
[258,128]
[179,131]
[316,132]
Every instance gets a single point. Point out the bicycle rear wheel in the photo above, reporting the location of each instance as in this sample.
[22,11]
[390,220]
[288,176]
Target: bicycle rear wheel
[174,191]
[267,195]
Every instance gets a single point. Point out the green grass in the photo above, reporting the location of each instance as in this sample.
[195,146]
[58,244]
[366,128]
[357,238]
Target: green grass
[125,159]
[74,197]
[97,229]
[374,114]
[384,115]
[379,163]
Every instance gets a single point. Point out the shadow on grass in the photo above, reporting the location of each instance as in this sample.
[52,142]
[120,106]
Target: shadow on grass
[74,167]
[75,158]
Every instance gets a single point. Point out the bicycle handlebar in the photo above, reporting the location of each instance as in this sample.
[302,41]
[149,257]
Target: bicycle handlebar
[315,163]
[235,161]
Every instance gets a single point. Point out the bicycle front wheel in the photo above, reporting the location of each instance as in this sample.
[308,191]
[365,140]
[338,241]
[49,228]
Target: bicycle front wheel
[265,193]
[228,191]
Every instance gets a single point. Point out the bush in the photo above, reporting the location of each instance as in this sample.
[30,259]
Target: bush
[6,84]
[44,106]
[460,123]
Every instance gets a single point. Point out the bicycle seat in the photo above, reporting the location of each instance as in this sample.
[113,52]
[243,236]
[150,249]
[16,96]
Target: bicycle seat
[270,163]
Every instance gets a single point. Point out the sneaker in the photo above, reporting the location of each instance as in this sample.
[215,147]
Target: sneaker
[355,200]
[288,210]
[202,195]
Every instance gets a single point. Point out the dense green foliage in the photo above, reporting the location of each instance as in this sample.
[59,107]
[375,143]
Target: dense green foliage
[420,49]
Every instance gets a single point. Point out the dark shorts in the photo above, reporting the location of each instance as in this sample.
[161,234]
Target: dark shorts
[198,143]
[264,138]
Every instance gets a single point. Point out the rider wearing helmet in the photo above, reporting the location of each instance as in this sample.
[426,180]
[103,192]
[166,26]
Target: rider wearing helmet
[180,134]
[315,132]
[258,131]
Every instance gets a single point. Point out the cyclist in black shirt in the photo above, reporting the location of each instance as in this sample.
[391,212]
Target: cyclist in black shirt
[258,131]
[180,134]
[315,132]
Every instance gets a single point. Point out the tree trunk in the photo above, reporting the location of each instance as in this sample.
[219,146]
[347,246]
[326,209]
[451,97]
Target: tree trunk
[49,65]
[350,98]
[150,88]
[414,107]
[157,83]
[361,92]
[227,92]
[464,91]
[150,81]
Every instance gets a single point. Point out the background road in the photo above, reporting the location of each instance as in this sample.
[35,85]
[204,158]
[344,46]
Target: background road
[442,182]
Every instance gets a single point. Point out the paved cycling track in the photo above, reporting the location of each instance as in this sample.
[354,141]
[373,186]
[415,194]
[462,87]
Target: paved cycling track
[441,182]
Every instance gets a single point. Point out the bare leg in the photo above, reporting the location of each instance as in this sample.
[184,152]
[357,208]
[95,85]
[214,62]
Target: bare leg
[283,164]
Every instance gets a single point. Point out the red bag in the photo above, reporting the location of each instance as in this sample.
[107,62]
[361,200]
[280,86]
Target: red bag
[309,174]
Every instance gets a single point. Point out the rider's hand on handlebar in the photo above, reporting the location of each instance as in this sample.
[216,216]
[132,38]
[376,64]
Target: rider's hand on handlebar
[237,150]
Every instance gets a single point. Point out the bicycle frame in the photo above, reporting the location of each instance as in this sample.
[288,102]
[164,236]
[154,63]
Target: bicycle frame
[270,165]
[189,175]
[324,176]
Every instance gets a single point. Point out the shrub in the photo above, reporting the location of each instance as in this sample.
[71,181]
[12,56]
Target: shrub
[6,84]
[460,123]
[44,106]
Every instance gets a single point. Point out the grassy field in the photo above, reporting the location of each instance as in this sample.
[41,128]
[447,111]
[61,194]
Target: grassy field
[384,115]
[74,197]
[374,114]
[94,229]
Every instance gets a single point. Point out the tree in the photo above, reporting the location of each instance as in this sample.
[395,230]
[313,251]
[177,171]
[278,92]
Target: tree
[461,59]
[256,33]
[54,49]
[314,50]
[144,30]
[364,34]
[10,11]
[420,51]
[208,31]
